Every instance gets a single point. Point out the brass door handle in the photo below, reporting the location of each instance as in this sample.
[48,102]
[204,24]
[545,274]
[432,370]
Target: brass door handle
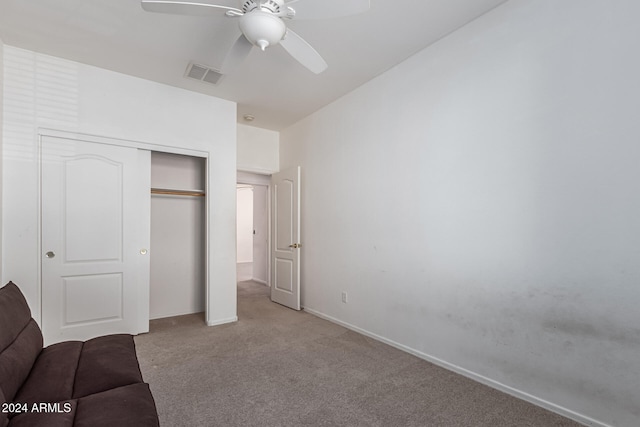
[295,245]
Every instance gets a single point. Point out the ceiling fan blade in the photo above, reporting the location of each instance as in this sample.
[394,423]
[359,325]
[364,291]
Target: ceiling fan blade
[187,8]
[303,52]
[236,55]
[327,9]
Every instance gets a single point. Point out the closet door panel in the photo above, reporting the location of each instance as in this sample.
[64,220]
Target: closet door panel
[95,227]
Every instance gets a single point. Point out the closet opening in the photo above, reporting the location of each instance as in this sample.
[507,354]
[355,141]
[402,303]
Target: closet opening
[178,240]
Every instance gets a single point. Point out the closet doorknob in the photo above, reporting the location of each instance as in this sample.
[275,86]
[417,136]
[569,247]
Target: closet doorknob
[50,254]
[143,251]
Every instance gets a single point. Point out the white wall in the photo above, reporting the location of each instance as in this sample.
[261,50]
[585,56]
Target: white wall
[258,150]
[46,92]
[244,224]
[261,237]
[258,157]
[479,203]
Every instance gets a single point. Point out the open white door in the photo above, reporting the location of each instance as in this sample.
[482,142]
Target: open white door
[95,239]
[285,242]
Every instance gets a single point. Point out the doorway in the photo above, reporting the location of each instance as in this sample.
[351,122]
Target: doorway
[253,231]
[281,241]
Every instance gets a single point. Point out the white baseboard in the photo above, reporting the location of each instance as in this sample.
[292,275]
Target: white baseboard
[262,282]
[222,321]
[583,419]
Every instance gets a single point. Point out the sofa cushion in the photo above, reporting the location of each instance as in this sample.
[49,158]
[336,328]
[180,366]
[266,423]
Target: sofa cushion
[14,314]
[73,369]
[53,374]
[20,340]
[17,360]
[106,362]
[129,406]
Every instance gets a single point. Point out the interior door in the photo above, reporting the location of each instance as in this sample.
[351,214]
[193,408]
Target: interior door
[95,239]
[285,242]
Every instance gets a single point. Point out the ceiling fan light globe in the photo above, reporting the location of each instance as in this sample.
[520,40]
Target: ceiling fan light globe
[262,29]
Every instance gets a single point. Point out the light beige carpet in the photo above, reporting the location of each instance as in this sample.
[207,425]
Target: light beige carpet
[279,367]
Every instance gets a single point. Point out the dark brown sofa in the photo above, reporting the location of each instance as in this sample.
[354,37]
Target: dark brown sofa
[83,384]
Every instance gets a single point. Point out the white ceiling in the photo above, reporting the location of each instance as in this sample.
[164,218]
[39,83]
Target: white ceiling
[118,35]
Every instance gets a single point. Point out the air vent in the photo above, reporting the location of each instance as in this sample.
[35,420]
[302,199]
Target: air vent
[203,73]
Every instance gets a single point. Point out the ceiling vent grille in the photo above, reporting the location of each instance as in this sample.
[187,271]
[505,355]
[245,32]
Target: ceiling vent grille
[203,73]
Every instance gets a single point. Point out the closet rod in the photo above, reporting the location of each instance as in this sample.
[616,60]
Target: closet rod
[177,192]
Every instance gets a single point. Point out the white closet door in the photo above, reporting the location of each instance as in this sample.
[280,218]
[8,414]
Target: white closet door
[95,239]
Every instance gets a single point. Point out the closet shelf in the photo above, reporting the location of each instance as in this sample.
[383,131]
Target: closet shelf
[172,192]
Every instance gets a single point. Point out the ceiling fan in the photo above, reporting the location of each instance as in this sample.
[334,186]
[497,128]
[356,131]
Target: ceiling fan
[261,23]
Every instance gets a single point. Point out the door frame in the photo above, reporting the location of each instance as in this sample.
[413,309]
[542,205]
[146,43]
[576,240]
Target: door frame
[55,133]
[264,180]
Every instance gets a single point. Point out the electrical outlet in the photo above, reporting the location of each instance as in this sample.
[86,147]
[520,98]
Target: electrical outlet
[344,297]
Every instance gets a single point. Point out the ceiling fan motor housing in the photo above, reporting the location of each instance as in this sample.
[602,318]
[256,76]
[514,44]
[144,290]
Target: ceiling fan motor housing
[262,29]
[268,5]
